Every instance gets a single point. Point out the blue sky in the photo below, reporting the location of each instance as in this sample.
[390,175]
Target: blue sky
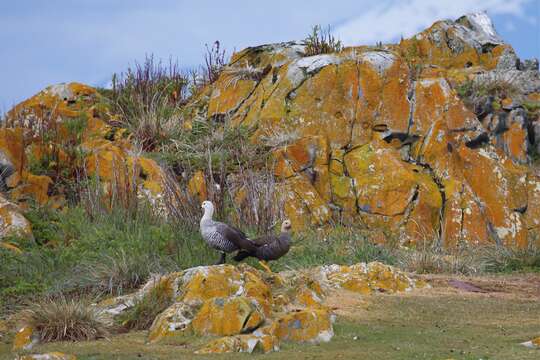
[44,42]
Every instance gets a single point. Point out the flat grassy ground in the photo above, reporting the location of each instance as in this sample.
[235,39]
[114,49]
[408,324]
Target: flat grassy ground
[438,323]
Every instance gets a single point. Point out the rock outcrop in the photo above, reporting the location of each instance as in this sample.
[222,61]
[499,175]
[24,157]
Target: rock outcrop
[246,310]
[63,134]
[427,142]
[384,136]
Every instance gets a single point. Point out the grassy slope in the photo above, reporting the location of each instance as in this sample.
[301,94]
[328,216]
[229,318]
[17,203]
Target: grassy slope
[438,323]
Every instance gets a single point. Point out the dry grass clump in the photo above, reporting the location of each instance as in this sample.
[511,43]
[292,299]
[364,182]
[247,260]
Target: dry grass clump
[432,261]
[321,41]
[258,204]
[120,273]
[503,259]
[469,260]
[64,319]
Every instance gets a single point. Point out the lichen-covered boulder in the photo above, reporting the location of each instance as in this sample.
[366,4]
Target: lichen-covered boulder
[241,343]
[227,316]
[310,325]
[383,137]
[175,320]
[366,278]
[65,129]
[47,356]
[533,344]
[200,284]
[253,311]
[25,338]
[211,300]
[12,222]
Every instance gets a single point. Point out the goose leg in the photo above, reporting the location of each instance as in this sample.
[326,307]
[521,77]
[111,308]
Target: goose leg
[265,266]
[221,259]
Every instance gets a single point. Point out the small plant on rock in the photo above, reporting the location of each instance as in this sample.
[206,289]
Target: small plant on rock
[246,72]
[321,41]
[214,62]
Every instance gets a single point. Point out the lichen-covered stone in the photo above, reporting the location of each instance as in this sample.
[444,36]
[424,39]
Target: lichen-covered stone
[241,343]
[47,356]
[63,129]
[176,319]
[197,186]
[255,311]
[25,339]
[365,278]
[533,344]
[227,316]
[377,136]
[12,222]
[310,325]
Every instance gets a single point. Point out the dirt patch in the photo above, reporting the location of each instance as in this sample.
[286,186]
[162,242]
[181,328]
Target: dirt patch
[518,286]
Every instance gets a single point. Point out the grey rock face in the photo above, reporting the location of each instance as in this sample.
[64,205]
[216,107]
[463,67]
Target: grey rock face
[477,30]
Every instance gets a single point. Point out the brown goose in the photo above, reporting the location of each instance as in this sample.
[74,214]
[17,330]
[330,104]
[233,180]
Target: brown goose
[269,247]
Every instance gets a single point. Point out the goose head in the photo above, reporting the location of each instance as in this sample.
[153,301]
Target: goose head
[286,226]
[208,208]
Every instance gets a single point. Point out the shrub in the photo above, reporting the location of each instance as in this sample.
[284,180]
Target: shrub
[64,320]
[482,95]
[214,62]
[221,152]
[321,41]
[146,309]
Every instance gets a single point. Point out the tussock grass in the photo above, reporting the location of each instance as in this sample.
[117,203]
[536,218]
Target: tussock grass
[61,319]
[500,259]
[469,261]
[339,246]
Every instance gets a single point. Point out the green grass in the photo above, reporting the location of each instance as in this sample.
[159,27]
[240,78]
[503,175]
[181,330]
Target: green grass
[109,253]
[388,327]
[115,253]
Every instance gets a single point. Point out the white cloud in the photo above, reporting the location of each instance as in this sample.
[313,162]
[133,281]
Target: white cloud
[391,19]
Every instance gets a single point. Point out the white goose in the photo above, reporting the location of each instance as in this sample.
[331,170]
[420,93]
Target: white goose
[220,236]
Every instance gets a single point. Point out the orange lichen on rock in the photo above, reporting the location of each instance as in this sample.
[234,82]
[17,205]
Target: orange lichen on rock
[241,343]
[197,186]
[310,325]
[227,316]
[25,339]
